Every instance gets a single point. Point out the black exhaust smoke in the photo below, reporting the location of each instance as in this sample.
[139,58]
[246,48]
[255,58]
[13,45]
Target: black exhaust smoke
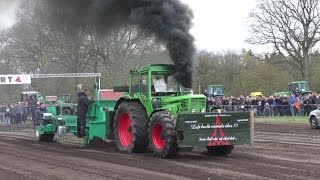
[168,20]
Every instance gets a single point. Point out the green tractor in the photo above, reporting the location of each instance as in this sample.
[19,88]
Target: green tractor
[65,104]
[156,112]
[212,90]
[301,86]
[161,114]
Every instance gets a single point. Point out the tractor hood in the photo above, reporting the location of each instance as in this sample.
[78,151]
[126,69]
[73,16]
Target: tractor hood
[184,103]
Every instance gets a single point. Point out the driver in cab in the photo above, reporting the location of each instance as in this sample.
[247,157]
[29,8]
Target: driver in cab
[159,84]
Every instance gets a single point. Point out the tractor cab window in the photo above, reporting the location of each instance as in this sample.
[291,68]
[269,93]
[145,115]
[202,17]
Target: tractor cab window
[144,85]
[165,84]
[23,97]
[135,84]
[32,97]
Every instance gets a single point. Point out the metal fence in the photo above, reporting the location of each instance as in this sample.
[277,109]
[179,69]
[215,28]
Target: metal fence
[278,110]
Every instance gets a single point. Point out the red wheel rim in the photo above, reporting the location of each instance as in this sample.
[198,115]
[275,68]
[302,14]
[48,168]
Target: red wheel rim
[157,139]
[124,129]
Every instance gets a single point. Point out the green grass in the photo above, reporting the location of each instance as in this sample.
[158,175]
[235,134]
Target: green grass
[283,119]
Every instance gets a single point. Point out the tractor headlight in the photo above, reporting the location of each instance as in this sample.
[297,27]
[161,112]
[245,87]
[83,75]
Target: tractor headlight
[193,110]
[203,110]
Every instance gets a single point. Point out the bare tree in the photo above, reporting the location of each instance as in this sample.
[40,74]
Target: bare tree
[292,27]
[121,47]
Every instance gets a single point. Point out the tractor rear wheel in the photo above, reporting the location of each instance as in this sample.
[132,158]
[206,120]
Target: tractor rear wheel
[314,122]
[131,127]
[220,150]
[162,135]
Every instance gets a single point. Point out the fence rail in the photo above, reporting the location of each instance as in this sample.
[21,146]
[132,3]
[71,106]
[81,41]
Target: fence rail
[278,110]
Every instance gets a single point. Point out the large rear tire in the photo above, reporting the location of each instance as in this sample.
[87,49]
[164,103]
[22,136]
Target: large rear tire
[162,135]
[220,150]
[314,123]
[131,127]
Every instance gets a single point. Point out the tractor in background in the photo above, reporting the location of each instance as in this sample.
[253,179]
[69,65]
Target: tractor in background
[300,86]
[215,90]
[29,98]
[66,105]
[212,90]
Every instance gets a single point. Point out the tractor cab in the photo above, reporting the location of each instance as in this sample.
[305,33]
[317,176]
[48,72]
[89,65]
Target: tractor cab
[156,88]
[29,98]
[215,90]
[300,87]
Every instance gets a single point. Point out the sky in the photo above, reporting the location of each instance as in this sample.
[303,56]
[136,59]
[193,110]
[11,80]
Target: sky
[7,12]
[221,25]
[218,25]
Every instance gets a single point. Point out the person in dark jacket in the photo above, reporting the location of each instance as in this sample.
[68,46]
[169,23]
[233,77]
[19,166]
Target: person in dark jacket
[58,109]
[82,109]
[39,113]
[34,108]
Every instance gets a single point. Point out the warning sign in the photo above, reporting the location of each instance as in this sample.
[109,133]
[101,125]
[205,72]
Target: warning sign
[15,79]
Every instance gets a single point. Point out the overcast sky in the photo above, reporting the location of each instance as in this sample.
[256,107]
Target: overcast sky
[7,12]
[219,25]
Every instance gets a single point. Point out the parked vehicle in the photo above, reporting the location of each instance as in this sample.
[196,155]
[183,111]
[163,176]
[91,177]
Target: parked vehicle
[314,119]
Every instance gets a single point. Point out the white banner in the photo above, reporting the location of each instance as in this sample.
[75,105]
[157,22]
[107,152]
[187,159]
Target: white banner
[15,79]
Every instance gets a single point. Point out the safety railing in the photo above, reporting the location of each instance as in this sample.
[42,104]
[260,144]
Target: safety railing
[277,110]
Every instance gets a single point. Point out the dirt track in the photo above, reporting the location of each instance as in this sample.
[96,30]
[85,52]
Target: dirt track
[279,152]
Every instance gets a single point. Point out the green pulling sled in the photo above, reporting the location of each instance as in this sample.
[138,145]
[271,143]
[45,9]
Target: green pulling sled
[45,129]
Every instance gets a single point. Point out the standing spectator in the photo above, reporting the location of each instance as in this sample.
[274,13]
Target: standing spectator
[291,102]
[302,98]
[13,114]
[278,109]
[7,115]
[24,114]
[313,105]
[297,106]
[2,113]
[307,103]
[296,93]
[34,108]
[19,112]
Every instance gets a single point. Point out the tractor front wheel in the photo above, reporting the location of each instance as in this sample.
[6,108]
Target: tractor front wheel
[39,137]
[130,127]
[220,150]
[162,135]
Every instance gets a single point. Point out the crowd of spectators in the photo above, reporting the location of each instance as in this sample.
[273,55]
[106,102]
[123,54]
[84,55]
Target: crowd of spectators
[293,105]
[13,113]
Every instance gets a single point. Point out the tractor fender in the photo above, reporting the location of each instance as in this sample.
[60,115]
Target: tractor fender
[125,98]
